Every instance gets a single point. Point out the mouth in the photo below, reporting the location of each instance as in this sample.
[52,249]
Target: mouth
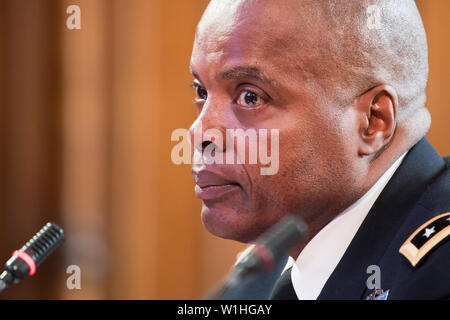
[209,185]
[214,192]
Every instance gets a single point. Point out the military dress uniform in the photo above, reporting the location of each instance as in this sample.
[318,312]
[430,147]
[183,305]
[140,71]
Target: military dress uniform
[406,234]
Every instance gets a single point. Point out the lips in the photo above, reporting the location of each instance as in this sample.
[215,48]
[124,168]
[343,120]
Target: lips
[211,185]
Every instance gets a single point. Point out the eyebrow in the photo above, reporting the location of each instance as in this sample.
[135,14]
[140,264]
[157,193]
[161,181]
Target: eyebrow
[240,73]
[194,73]
[244,72]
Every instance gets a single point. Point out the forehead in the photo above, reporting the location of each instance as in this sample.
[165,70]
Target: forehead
[270,35]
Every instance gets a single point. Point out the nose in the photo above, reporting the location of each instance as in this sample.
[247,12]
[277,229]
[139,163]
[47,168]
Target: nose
[209,129]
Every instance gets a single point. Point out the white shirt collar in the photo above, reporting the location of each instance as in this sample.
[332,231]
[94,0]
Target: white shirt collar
[321,255]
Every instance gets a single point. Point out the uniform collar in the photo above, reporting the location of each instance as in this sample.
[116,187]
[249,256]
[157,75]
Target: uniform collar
[419,168]
[320,256]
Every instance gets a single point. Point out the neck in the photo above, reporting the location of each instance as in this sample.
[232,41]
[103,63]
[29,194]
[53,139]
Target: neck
[376,169]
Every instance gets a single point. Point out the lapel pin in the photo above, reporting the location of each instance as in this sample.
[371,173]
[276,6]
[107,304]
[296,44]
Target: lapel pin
[378,294]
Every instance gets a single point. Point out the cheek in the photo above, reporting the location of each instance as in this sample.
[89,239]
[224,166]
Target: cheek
[310,164]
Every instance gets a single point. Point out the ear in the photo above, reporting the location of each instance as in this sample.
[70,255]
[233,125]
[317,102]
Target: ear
[378,119]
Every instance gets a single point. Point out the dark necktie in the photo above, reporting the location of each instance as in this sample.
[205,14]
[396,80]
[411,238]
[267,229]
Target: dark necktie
[283,289]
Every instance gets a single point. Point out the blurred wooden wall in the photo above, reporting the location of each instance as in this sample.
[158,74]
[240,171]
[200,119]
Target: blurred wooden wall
[30,132]
[437,25]
[85,123]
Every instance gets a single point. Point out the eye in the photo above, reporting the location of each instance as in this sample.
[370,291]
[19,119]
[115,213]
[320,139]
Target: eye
[200,91]
[249,99]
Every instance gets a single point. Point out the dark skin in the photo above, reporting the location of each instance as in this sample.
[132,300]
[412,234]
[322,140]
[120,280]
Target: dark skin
[248,74]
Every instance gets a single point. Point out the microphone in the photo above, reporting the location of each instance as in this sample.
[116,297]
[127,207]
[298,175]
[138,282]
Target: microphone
[267,249]
[24,262]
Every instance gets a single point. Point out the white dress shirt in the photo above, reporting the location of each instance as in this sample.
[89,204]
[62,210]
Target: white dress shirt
[321,255]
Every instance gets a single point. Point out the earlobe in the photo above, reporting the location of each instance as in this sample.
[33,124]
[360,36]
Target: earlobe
[378,119]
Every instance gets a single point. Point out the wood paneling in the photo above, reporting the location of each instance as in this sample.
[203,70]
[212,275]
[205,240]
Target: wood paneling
[437,25]
[134,226]
[30,127]
[179,245]
[3,245]
[86,105]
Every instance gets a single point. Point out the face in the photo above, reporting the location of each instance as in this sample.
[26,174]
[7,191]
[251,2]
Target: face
[250,67]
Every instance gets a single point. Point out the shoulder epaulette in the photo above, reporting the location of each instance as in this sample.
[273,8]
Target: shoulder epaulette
[425,238]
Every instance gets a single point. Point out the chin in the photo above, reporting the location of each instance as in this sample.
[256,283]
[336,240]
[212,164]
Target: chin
[229,224]
[233,224]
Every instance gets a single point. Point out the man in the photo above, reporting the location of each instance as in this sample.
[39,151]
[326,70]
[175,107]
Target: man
[347,96]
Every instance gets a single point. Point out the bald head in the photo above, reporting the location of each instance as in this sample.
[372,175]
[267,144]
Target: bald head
[362,53]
